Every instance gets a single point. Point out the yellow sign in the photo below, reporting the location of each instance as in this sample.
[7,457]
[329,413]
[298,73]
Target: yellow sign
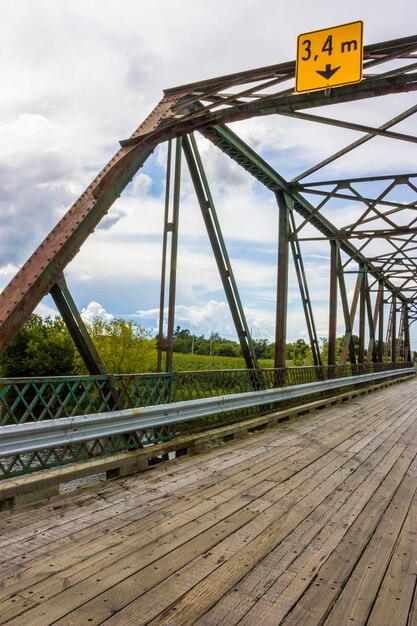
[330,57]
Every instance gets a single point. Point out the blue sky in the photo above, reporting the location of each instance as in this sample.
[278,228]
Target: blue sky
[79,76]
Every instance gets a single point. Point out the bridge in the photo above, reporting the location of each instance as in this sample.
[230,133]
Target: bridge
[282,495]
[309,522]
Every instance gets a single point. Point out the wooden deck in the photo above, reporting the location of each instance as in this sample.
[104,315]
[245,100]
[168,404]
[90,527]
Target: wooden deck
[312,522]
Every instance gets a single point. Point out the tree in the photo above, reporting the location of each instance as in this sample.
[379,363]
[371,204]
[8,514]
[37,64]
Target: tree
[124,346]
[181,345]
[42,347]
[260,346]
[226,347]
[298,352]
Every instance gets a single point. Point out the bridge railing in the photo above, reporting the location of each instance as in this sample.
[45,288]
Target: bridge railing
[29,400]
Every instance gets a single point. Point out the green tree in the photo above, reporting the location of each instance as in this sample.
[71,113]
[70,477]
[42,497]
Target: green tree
[226,347]
[181,345]
[261,347]
[299,352]
[42,347]
[124,346]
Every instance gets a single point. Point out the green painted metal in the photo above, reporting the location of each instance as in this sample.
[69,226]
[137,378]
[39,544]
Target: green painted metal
[76,327]
[303,286]
[160,342]
[174,228]
[331,357]
[282,280]
[37,399]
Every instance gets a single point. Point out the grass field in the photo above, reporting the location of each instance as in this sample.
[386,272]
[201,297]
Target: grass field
[191,362]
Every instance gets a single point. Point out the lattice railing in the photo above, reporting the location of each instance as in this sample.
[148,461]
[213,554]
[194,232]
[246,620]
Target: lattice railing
[38,399]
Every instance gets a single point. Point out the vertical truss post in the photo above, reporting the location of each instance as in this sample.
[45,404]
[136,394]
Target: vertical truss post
[407,346]
[174,254]
[348,346]
[160,343]
[218,245]
[331,358]
[394,328]
[76,327]
[303,286]
[371,355]
[362,308]
[400,335]
[381,321]
[170,228]
[282,282]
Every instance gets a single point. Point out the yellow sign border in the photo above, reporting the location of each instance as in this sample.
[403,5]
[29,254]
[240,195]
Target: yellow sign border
[320,30]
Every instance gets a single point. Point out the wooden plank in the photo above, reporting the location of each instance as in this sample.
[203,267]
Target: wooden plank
[285,594]
[137,460]
[93,585]
[150,575]
[359,593]
[127,546]
[335,513]
[394,601]
[61,560]
[272,496]
[332,576]
[206,495]
[16,536]
[194,603]
[205,574]
[60,470]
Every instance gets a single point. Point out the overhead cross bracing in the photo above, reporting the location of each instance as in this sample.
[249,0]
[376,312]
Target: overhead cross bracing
[379,244]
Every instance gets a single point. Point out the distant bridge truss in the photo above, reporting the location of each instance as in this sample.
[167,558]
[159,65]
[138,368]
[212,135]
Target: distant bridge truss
[379,246]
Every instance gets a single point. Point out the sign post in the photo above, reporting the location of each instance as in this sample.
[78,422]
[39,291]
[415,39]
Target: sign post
[330,57]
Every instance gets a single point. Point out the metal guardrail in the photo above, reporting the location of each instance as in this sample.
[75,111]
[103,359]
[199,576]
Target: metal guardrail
[31,437]
[37,399]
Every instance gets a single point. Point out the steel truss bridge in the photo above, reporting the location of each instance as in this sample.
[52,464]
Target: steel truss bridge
[310,523]
[379,247]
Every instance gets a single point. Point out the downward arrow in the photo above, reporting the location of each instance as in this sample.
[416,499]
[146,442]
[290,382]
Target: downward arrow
[328,72]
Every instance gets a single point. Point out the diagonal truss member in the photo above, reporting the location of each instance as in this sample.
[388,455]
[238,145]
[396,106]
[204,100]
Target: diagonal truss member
[208,106]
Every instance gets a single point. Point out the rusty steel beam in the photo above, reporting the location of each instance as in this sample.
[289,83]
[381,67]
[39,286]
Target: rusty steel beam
[174,229]
[371,354]
[304,290]
[407,343]
[219,249]
[381,322]
[362,310]
[161,344]
[182,110]
[282,282]
[394,328]
[331,357]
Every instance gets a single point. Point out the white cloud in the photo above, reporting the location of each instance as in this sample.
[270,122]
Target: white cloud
[77,77]
[214,317]
[94,310]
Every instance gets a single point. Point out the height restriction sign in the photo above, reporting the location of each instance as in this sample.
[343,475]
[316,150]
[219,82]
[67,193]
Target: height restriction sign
[330,57]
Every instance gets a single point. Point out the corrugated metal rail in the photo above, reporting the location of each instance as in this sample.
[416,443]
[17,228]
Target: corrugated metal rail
[29,437]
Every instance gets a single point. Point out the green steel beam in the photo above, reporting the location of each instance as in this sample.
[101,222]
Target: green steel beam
[218,246]
[76,327]
[282,282]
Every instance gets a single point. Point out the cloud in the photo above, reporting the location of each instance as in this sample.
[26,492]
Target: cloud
[94,310]
[215,317]
[77,77]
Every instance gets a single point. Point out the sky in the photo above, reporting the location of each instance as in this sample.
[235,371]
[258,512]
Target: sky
[77,76]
